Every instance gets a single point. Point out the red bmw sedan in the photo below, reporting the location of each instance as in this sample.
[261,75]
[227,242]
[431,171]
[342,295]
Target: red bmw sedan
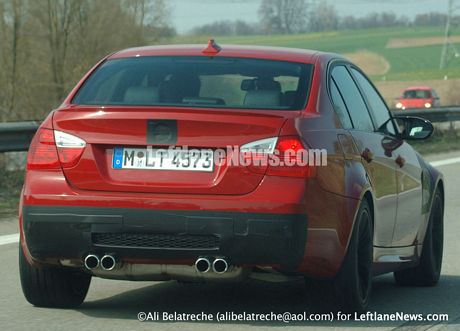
[196,163]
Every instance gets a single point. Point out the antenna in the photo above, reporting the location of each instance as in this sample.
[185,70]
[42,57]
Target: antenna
[213,48]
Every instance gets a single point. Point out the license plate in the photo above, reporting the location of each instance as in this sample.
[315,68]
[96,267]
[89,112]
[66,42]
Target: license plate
[163,159]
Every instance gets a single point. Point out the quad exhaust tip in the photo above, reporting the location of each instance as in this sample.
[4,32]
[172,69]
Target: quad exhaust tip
[91,262]
[220,266]
[108,262]
[202,265]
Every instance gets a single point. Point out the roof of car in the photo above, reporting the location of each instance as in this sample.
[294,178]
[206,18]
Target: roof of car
[424,88]
[274,53]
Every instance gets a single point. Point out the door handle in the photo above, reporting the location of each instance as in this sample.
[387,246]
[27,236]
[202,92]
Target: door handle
[367,155]
[400,161]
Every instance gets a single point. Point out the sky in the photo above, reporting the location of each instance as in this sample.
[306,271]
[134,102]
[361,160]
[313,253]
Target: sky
[190,13]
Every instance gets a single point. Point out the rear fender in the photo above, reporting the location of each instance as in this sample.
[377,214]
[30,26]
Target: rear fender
[432,180]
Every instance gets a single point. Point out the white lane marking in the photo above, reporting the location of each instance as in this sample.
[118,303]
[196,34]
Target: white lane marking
[441,163]
[9,239]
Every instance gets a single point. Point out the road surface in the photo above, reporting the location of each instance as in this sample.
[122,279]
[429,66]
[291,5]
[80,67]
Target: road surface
[114,305]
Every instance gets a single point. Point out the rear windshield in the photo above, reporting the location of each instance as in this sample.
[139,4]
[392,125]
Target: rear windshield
[417,94]
[198,82]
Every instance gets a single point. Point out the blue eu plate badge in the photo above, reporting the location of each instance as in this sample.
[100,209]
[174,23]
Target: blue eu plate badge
[117,158]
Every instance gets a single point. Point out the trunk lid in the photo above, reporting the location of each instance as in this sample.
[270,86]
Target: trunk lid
[104,128]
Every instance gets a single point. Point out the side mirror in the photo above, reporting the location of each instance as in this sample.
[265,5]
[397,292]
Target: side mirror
[414,128]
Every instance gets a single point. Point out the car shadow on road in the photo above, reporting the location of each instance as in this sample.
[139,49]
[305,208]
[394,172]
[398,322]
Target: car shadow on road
[261,297]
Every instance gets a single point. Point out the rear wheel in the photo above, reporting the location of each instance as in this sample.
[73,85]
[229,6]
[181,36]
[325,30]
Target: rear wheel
[52,286]
[428,271]
[351,288]
[354,281]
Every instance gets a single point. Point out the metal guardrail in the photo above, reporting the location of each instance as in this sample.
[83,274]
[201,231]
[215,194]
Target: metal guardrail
[16,136]
[435,115]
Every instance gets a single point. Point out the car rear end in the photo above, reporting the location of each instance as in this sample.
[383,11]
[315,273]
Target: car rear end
[418,98]
[138,175]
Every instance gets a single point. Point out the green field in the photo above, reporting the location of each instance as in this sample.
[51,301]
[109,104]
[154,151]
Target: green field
[410,63]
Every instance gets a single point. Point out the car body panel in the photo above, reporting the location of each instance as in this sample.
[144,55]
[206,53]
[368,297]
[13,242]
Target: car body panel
[381,171]
[410,212]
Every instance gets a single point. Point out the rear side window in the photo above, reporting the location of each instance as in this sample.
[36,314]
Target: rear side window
[339,106]
[198,82]
[353,99]
[377,105]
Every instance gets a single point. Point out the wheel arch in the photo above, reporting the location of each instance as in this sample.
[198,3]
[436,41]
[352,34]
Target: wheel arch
[369,198]
[440,185]
[435,181]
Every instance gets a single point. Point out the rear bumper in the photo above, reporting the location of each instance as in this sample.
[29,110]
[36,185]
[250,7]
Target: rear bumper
[164,236]
[330,219]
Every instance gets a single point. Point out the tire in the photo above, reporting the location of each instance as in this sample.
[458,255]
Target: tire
[52,287]
[350,290]
[353,283]
[428,271]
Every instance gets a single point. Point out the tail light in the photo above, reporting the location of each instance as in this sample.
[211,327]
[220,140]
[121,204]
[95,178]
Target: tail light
[283,156]
[255,154]
[42,151]
[51,149]
[293,155]
[70,148]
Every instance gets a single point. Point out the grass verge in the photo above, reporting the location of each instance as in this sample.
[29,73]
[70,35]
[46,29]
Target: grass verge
[441,141]
[10,190]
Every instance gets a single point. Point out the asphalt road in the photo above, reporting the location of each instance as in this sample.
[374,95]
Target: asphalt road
[114,305]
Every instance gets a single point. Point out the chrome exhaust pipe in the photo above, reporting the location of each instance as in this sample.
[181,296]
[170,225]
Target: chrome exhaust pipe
[91,262]
[108,262]
[202,265]
[220,266]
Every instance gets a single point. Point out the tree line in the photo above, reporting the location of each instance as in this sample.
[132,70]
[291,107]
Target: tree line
[300,16]
[47,45]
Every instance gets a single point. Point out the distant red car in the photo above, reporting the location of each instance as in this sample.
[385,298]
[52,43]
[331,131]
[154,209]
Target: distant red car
[418,97]
[124,180]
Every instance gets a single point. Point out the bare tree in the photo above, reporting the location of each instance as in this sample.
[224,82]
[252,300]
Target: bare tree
[3,79]
[56,19]
[17,20]
[12,17]
[139,9]
[152,16]
[283,16]
[96,35]
[47,45]
[323,17]
[159,22]
[59,18]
